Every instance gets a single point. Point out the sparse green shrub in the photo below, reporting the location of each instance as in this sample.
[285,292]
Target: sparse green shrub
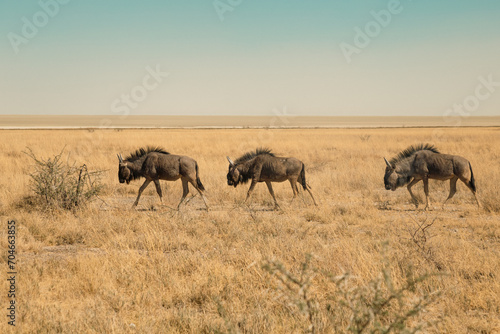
[59,184]
[380,307]
[296,289]
[376,307]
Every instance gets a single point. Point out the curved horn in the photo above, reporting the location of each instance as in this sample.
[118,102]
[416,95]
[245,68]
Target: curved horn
[120,158]
[387,162]
[230,161]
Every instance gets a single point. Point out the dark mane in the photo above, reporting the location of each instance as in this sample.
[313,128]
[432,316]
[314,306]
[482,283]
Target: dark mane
[250,155]
[143,151]
[411,150]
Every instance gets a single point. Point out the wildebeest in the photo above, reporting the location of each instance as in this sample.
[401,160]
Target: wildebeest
[155,164]
[263,166]
[424,162]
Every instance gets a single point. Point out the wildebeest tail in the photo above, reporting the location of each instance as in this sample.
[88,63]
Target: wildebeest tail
[472,182]
[303,177]
[198,181]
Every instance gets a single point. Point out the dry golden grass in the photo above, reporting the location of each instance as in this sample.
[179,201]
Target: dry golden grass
[112,269]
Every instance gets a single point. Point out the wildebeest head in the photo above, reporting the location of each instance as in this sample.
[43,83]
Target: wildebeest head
[124,174]
[390,177]
[393,179]
[233,175]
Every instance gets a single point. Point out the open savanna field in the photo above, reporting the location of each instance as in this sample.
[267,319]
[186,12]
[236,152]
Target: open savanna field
[109,268]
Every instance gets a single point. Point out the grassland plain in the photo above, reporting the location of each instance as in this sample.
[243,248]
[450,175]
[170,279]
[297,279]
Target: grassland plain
[108,268]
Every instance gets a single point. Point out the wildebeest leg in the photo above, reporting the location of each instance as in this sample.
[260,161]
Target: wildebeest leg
[158,190]
[306,187]
[453,188]
[199,190]
[252,185]
[185,191]
[426,191]
[411,184]
[141,189]
[270,187]
[293,183]
[466,181]
[310,193]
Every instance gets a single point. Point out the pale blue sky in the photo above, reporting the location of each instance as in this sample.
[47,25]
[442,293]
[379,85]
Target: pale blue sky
[95,57]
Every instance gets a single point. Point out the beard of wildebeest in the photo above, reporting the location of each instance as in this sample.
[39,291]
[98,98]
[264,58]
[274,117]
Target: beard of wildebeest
[233,176]
[394,179]
[236,175]
[124,174]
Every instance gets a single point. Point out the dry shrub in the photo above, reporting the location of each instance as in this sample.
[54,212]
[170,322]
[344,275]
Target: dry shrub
[59,184]
[378,306]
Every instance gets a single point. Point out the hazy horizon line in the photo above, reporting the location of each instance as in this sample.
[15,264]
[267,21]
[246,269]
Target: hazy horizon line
[239,122]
